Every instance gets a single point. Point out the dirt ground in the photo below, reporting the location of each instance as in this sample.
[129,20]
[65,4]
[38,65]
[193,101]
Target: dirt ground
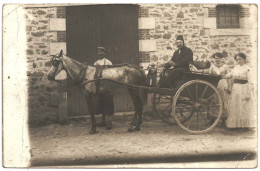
[157,142]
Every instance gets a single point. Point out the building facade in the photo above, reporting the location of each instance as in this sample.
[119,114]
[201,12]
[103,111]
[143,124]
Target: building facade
[207,28]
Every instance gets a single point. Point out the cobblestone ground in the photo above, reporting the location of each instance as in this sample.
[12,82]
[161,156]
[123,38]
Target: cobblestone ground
[157,142]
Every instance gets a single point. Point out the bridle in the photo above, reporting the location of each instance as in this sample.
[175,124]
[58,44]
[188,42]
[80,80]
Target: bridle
[56,61]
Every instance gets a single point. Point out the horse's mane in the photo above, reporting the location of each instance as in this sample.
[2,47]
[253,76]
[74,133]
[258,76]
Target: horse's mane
[73,60]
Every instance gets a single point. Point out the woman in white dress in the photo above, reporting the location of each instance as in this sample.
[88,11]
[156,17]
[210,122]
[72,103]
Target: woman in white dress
[219,67]
[240,109]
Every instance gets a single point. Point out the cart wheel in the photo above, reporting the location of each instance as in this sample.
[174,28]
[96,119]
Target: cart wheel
[162,105]
[200,101]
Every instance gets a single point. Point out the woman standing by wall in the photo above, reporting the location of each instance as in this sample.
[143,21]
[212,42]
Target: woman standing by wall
[241,111]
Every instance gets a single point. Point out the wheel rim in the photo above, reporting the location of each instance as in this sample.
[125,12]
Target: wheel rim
[201,103]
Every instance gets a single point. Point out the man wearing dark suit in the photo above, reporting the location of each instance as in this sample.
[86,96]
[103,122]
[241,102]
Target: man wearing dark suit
[180,62]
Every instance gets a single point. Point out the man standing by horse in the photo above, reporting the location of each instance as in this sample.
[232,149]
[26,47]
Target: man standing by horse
[180,62]
[105,100]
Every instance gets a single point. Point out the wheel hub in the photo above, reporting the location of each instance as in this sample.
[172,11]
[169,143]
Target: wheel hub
[196,106]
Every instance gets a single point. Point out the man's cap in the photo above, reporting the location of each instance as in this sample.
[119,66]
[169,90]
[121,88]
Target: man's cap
[102,48]
[180,37]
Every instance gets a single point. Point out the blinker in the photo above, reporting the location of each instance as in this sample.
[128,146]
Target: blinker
[55,62]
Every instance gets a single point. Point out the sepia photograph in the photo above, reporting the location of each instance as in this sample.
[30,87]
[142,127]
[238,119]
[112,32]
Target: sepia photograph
[121,85]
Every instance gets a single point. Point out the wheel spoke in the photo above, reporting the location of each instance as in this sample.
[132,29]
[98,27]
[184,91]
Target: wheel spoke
[211,113]
[188,90]
[202,116]
[190,120]
[204,91]
[197,120]
[182,115]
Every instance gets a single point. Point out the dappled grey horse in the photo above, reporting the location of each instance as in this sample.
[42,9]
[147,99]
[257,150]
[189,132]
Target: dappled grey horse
[124,74]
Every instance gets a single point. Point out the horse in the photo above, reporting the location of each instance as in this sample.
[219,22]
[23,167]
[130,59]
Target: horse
[125,74]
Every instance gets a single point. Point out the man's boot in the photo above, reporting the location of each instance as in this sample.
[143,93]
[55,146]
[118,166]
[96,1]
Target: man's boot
[108,122]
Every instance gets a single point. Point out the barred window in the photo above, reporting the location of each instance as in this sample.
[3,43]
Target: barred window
[227,16]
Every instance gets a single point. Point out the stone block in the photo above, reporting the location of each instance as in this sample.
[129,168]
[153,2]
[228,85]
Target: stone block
[29,52]
[192,10]
[58,24]
[180,15]
[40,12]
[56,47]
[38,34]
[167,36]
[214,46]
[210,23]
[232,44]
[167,14]
[43,21]
[44,52]
[147,45]
[146,23]
[50,16]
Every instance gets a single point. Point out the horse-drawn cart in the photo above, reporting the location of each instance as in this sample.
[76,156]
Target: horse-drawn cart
[195,104]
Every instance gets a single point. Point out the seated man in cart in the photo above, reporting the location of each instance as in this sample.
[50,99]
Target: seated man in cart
[180,62]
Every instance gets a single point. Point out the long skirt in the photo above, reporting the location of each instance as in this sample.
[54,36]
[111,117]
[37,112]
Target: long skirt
[241,112]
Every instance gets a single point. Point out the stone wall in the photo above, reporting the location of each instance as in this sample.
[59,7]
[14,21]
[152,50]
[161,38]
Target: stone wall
[195,22]
[40,88]
[159,24]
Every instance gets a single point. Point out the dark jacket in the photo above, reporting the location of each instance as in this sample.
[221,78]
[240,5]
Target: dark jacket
[182,60]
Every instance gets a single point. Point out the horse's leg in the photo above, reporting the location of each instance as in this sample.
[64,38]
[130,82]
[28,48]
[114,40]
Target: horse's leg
[139,110]
[137,120]
[100,109]
[132,95]
[108,110]
[91,101]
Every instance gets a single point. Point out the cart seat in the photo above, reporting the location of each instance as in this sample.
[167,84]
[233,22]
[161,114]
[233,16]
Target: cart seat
[201,64]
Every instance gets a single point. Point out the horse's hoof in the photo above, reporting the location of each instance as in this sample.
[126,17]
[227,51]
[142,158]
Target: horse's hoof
[130,130]
[92,131]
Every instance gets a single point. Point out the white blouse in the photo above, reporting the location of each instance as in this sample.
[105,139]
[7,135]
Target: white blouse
[103,61]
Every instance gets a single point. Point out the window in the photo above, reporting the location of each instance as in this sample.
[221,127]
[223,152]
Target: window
[227,16]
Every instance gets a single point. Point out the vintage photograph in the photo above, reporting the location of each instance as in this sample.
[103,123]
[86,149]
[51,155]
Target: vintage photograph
[171,85]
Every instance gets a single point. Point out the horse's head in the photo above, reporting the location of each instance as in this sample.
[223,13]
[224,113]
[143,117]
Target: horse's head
[56,67]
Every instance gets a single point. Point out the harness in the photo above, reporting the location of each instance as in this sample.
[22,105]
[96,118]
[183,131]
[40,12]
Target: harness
[82,73]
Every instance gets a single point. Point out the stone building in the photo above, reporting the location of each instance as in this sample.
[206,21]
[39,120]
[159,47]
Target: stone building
[207,28]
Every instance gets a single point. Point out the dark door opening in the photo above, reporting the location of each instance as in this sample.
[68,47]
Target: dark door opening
[113,26]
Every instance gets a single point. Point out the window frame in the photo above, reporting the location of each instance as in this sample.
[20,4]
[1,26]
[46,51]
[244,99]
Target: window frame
[230,8]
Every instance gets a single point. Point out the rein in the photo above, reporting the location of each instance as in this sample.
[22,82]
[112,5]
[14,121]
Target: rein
[166,91]
[81,73]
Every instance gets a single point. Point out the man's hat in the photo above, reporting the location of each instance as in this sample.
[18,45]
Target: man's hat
[102,48]
[180,37]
